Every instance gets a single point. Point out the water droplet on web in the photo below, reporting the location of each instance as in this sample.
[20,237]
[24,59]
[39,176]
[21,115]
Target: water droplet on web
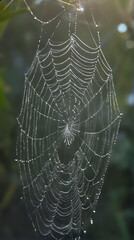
[91,221]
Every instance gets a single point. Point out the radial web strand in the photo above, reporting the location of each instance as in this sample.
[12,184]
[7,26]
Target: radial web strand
[69,121]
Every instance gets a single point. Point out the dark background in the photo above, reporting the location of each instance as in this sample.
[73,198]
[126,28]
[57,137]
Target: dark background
[19,33]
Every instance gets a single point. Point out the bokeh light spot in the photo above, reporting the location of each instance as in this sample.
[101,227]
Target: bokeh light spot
[122,28]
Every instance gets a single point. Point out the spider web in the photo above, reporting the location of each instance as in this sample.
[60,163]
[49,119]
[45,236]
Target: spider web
[69,121]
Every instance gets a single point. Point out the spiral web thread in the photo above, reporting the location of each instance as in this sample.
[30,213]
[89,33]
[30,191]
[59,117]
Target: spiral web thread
[68,122]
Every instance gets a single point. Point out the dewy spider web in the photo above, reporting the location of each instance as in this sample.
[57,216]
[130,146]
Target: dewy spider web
[69,121]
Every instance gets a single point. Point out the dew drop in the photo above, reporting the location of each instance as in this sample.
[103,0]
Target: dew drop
[91,221]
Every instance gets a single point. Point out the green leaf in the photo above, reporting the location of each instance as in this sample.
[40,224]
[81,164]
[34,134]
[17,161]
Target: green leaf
[7,16]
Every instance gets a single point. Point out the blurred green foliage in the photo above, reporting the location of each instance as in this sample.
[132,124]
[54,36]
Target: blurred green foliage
[19,35]
[8,14]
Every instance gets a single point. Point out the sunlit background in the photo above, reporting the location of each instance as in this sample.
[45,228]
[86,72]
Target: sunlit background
[19,34]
